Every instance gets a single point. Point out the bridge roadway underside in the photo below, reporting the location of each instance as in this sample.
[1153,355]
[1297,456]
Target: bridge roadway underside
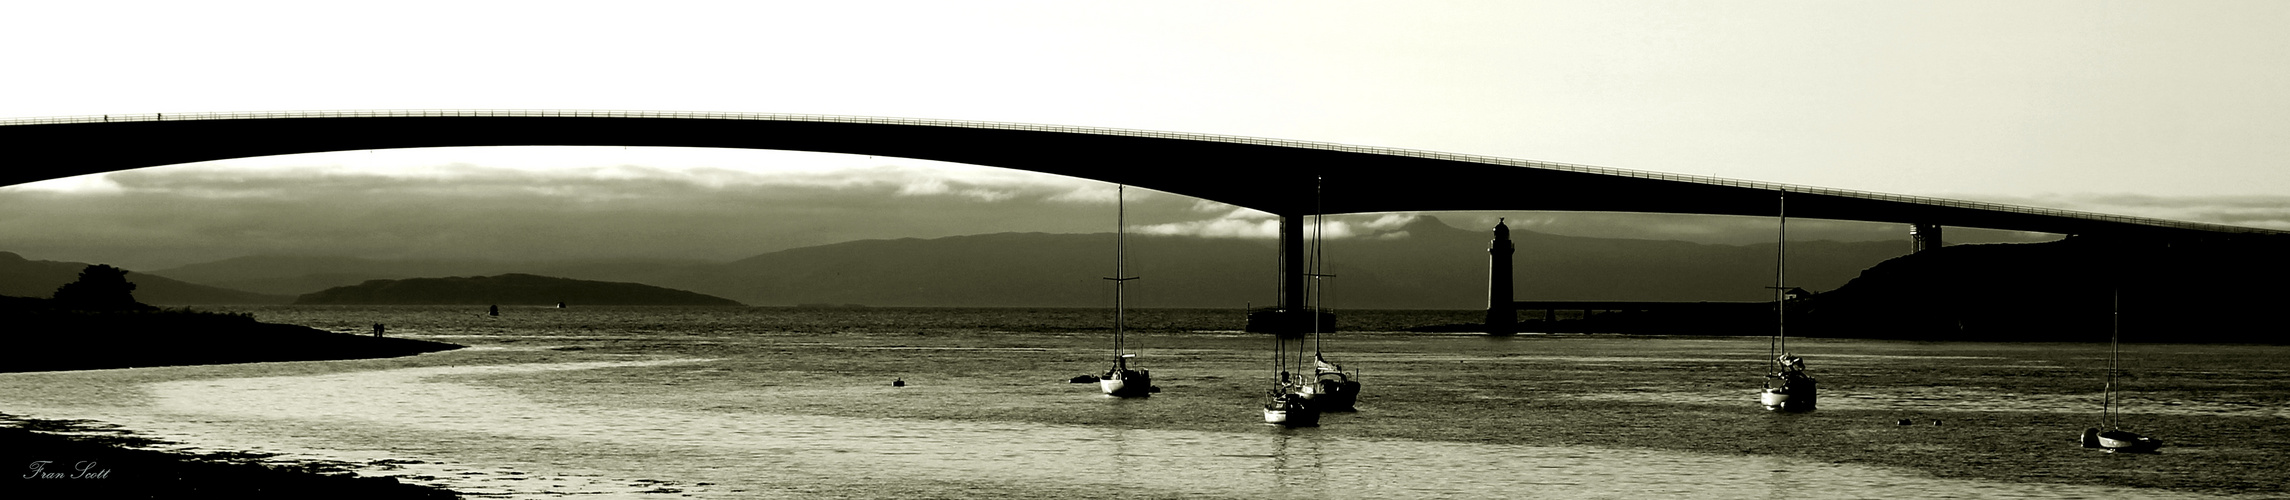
[1276,177]
[1289,178]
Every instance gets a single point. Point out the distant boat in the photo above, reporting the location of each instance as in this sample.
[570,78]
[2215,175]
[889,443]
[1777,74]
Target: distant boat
[1797,391]
[1121,380]
[2109,435]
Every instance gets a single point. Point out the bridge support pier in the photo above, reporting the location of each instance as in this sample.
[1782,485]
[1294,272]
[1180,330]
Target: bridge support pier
[1923,237]
[1502,312]
[1289,316]
[1292,269]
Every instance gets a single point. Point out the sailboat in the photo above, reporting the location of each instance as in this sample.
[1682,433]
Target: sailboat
[1796,391]
[1120,380]
[1330,389]
[1286,403]
[2113,438]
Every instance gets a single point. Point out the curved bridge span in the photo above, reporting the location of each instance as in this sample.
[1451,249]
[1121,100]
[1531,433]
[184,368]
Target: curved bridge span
[1272,175]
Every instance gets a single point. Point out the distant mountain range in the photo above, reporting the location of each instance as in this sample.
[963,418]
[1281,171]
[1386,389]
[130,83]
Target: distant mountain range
[507,289]
[1422,265]
[2080,289]
[296,275]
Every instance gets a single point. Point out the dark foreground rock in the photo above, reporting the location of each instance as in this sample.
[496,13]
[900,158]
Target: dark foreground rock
[43,465]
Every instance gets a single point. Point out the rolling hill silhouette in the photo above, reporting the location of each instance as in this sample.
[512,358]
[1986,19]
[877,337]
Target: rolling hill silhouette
[1424,264]
[20,277]
[507,289]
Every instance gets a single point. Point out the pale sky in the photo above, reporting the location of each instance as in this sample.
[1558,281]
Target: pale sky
[2167,109]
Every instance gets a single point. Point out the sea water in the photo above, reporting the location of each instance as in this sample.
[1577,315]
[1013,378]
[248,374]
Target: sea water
[476,421]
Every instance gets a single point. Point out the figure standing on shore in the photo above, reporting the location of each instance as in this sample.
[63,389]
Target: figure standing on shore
[377,329]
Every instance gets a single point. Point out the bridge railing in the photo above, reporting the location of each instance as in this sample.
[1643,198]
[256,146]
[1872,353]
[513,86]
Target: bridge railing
[1257,141]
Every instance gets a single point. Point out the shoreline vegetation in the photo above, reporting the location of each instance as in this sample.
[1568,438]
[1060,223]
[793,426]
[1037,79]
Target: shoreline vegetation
[95,323]
[49,339]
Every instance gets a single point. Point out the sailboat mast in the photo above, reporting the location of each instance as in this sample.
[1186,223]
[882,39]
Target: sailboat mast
[1780,343]
[1318,218]
[1120,246]
[1279,362]
[2114,357]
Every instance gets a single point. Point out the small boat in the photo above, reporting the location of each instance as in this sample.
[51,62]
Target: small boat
[1121,380]
[1796,391]
[2119,441]
[2114,439]
[1290,401]
[1335,389]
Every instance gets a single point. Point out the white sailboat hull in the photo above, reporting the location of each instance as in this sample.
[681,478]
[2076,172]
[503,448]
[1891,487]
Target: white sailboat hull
[1772,400]
[1292,418]
[1777,400]
[1127,383]
[2127,442]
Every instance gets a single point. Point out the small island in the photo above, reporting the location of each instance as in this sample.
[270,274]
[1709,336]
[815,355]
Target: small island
[507,289]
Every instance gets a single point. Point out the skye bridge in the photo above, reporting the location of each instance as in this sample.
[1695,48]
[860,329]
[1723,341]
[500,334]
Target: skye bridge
[1292,179]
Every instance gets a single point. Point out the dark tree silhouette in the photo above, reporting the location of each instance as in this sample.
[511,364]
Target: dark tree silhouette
[100,287]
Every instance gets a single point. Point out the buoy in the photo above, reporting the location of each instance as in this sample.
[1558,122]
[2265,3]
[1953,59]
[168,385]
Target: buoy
[898,383]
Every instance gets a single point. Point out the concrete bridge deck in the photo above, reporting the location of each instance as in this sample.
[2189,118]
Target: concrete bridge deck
[1273,175]
[1293,179]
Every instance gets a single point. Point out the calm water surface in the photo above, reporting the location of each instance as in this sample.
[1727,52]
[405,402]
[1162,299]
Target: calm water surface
[422,420]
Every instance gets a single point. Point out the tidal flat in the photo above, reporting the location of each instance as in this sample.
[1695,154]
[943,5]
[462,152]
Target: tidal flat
[1980,411]
[789,403]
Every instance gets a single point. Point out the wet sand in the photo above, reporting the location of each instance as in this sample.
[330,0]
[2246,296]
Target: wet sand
[2005,412]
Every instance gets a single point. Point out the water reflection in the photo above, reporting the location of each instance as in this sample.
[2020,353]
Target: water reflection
[1296,463]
